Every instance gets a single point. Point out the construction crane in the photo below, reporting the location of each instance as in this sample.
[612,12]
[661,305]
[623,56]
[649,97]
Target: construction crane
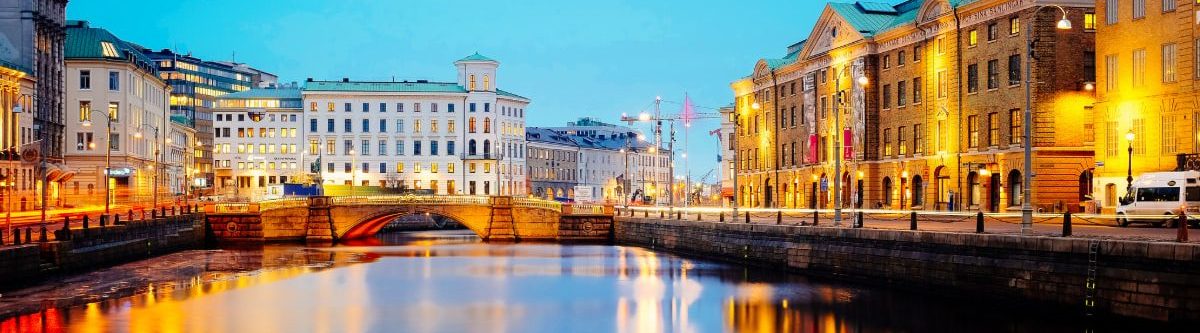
[658,119]
[695,193]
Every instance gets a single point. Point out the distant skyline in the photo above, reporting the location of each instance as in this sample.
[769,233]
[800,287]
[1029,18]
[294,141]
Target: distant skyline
[573,59]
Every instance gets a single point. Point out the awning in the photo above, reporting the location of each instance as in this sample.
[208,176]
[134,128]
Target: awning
[66,173]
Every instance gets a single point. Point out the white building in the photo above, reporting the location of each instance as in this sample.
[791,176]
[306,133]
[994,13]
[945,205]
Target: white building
[178,159]
[463,137]
[113,88]
[257,139]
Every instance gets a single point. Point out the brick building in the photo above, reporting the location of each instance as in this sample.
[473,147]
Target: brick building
[925,97]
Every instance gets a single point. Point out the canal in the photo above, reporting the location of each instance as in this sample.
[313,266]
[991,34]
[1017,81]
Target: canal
[448,281]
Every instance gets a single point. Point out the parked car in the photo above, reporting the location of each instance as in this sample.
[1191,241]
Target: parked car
[1163,194]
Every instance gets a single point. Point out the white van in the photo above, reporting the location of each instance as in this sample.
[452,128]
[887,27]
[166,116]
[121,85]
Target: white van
[1161,193]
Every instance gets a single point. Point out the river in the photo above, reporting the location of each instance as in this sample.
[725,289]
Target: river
[448,281]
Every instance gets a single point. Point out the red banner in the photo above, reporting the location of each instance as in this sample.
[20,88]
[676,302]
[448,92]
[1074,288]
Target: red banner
[812,148]
[847,144]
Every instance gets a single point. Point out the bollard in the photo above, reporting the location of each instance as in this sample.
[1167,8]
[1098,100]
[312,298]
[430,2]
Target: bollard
[1067,224]
[28,235]
[747,217]
[779,217]
[858,220]
[1,237]
[1182,236]
[979,222]
[699,215]
[816,217]
[42,238]
[722,217]
[103,221]
[85,223]
[645,213]
[912,221]
[66,227]
[130,215]
[116,219]
[678,215]
[662,214]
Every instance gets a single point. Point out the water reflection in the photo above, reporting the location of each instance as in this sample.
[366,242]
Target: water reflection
[450,282]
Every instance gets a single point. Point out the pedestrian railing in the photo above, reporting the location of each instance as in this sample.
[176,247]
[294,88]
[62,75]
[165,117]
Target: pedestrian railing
[412,199]
[93,229]
[282,203]
[537,203]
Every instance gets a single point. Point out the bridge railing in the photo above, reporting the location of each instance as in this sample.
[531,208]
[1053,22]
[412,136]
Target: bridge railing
[282,203]
[234,208]
[537,203]
[411,199]
[586,209]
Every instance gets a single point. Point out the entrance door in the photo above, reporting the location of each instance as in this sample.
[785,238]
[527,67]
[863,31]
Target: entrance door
[994,193]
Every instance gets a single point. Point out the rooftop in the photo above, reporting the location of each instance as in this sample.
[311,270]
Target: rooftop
[476,57]
[265,93]
[86,42]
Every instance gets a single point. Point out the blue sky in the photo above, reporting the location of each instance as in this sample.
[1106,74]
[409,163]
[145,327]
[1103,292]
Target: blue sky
[572,58]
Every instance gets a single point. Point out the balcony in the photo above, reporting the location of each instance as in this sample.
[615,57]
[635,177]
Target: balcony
[1185,162]
[478,157]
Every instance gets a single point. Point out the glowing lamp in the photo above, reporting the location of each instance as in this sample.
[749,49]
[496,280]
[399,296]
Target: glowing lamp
[1064,23]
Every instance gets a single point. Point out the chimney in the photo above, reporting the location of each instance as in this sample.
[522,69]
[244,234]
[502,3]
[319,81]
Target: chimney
[309,80]
[345,79]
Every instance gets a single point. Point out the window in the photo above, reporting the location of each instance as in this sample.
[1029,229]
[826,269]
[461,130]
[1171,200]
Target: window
[1014,70]
[917,53]
[900,58]
[433,107]
[993,129]
[1014,126]
[1139,9]
[972,131]
[314,146]
[937,45]
[887,142]
[1170,194]
[85,111]
[330,147]
[973,37]
[114,81]
[114,142]
[365,148]
[114,111]
[992,31]
[916,90]
[1110,72]
[450,126]
[1089,21]
[399,107]
[471,125]
[1014,25]
[1111,9]
[382,107]
[433,148]
[1168,5]
[399,125]
[346,126]
[900,143]
[918,145]
[471,107]
[900,94]
[887,96]
[887,61]
[1168,134]
[312,125]
[1139,67]
[366,126]
[1168,63]
[487,107]
[346,107]
[433,128]
[417,107]
[450,107]
[399,167]
[329,106]
[399,147]
[83,141]
[972,78]
[993,74]
[471,82]
[85,79]
[942,84]
[328,125]
[366,107]
[450,150]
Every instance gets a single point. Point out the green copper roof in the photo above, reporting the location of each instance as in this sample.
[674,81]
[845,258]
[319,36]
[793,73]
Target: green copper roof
[15,67]
[180,119]
[431,87]
[477,57]
[865,22]
[508,94]
[265,93]
[85,42]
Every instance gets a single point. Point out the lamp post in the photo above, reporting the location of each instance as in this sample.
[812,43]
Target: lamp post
[737,191]
[107,158]
[839,105]
[353,174]
[154,176]
[1027,195]
[1129,167]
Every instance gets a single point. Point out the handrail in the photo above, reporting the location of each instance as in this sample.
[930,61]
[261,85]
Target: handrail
[537,203]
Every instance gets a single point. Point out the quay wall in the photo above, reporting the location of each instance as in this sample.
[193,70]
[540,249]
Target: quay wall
[1150,280]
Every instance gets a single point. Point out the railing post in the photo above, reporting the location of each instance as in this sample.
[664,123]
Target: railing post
[678,215]
[662,214]
[979,222]
[645,213]
[16,236]
[1067,224]
[1182,236]
[912,220]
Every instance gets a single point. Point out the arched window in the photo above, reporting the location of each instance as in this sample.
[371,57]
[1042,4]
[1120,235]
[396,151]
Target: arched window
[487,125]
[487,84]
[487,147]
[471,147]
[471,125]
[1015,189]
[918,191]
[887,192]
[471,83]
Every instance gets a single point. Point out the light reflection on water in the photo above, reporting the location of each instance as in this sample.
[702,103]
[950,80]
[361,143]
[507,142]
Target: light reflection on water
[449,282]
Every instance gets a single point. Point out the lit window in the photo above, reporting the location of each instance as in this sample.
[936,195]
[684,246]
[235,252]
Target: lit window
[109,50]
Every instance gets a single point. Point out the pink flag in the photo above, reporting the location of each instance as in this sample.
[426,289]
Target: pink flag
[847,144]
[812,148]
[688,112]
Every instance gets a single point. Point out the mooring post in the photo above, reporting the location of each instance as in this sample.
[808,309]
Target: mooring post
[979,222]
[747,217]
[1067,224]
[912,220]
[722,219]
[858,220]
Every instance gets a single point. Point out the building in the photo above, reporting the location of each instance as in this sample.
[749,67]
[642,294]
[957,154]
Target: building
[924,99]
[178,158]
[725,157]
[258,134]
[462,137]
[592,128]
[1146,109]
[553,164]
[31,82]
[195,85]
[611,165]
[117,118]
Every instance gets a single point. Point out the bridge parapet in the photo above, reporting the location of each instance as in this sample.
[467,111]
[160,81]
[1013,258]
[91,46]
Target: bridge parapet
[411,199]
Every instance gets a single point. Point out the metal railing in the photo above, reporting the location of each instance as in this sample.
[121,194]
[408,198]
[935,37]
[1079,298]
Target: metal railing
[586,208]
[412,199]
[282,203]
[232,208]
[537,203]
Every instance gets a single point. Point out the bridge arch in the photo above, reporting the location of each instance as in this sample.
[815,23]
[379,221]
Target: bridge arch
[370,224]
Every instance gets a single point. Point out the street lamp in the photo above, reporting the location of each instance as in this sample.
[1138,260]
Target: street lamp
[154,177]
[838,136]
[1129,170]
[353,174]
[107,157]
[1027,195]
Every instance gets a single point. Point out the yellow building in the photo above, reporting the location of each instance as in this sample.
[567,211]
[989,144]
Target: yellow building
[925,100]
[19,178]
[1147,92]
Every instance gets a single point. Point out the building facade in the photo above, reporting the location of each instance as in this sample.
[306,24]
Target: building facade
[1148,104]
[257,140]
[920,103]
[114,94]
[195,86]
[553,164]
[726,156]
[463,137]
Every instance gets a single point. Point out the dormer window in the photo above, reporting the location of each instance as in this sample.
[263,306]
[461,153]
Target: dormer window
[109,50]
[471,83]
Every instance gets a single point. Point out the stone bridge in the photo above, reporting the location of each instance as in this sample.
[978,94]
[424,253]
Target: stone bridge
[326,219]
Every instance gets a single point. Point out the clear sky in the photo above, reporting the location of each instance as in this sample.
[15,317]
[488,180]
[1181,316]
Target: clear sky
[572,58]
